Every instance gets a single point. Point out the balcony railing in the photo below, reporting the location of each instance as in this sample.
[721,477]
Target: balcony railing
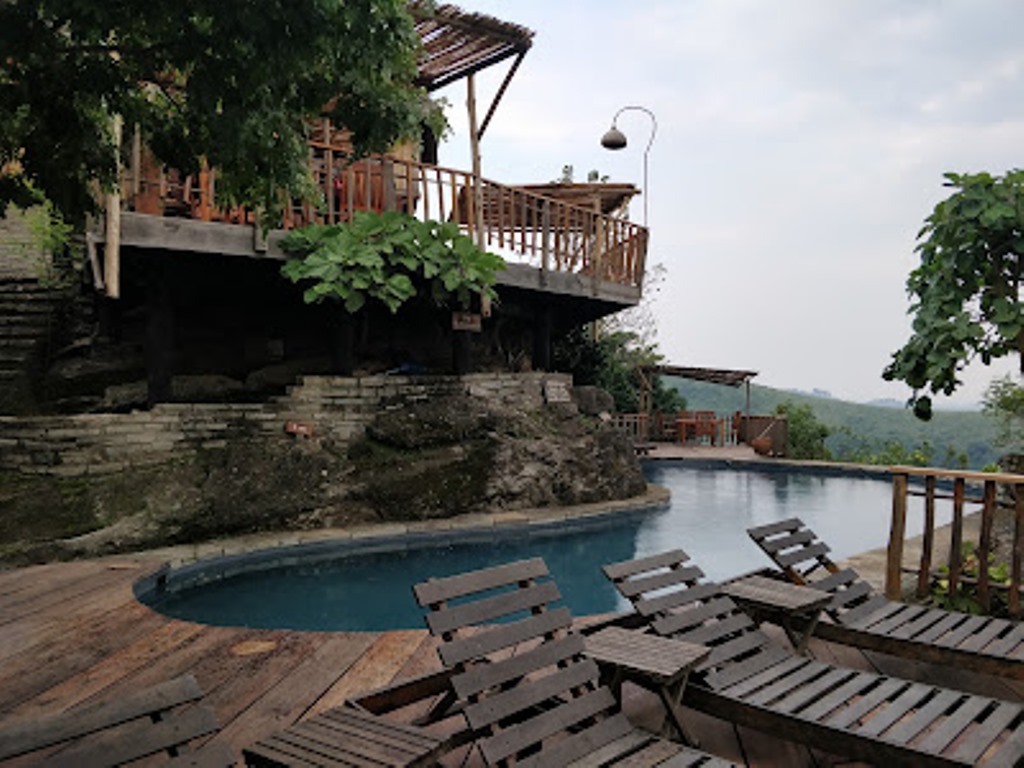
[520,225]
[959,494]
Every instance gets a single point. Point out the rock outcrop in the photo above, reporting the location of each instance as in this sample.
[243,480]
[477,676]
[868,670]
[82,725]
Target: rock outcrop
[422,458]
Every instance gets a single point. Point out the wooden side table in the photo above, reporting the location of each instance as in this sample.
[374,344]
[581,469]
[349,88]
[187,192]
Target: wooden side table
[797,608]
[660,664]
[345,736]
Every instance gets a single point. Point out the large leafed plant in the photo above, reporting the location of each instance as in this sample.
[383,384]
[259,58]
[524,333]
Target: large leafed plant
[966,293]
[389,257]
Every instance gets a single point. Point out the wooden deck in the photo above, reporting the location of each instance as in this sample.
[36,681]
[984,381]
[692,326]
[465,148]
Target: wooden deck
[73,632]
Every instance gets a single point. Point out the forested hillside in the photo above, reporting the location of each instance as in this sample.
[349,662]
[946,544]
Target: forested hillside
[861,432]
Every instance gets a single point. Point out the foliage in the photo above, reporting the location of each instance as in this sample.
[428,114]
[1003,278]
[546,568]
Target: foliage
[806,434]
[568,176]
[965,293]
[383,256]
[230,81]
[864,433]
[612,362]
[966,599]
[859,449]
[1004,402]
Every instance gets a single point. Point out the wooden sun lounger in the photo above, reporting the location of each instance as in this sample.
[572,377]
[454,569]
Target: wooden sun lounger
[163,719]
[750,680]
[863,618]
[527,692]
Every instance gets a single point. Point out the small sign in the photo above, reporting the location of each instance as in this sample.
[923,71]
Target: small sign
[467,321]
[298,428]
[556,391]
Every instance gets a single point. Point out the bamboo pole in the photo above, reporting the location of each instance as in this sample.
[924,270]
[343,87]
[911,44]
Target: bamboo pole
[897,533]
[957,538]
[1018,550]
[924,572]
[988,511]
[112,248]
[478,193]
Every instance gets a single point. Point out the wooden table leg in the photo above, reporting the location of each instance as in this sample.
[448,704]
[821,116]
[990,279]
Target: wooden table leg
[671,698]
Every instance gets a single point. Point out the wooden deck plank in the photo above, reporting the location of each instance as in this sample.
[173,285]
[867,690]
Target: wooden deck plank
[99,677]
[258,680]
[376,667]
[46,594]
[264,703]
[52,656]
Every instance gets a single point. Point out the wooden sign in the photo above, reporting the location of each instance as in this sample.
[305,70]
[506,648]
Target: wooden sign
[556,391]
[467,321]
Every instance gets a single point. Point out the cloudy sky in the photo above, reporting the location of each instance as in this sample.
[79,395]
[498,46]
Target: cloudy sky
[800,145]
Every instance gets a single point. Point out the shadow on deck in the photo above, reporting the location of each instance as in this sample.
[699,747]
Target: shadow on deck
[73,633]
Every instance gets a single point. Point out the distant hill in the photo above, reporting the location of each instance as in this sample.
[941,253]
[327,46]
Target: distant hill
[872,426]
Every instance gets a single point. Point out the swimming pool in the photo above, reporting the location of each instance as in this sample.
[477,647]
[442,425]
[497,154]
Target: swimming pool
[329,587]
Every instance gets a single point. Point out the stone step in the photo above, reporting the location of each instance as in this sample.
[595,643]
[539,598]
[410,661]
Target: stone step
[37,293]
[14,357]
[10,308]
[15,331]
[18,343]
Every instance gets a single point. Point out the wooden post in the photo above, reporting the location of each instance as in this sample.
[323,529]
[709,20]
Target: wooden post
[957,539]
[112,248]
[1018,550]
[478,192]
[545,240]
[897,532]
[924,571]
[136,163]
[988,511]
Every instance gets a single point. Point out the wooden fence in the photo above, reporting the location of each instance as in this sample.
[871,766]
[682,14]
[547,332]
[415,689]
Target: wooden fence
[966,492]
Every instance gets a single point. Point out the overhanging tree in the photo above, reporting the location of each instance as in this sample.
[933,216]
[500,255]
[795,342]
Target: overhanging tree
[230,81]
[965,295]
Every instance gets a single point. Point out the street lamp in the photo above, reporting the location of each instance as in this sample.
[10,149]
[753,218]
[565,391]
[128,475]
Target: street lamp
[616,139]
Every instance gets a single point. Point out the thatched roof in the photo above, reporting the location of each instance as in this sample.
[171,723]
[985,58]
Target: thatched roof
[456,43]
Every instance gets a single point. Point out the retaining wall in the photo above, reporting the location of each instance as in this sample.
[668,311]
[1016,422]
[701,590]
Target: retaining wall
[334,407]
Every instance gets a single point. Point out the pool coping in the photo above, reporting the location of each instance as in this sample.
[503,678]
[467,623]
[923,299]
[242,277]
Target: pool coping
[184,566]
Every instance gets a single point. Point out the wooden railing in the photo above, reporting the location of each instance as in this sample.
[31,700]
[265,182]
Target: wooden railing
[966,492]
[520,225]
[698,426]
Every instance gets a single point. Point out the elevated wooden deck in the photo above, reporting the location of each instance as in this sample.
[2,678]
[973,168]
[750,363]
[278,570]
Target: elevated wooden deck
[72,633]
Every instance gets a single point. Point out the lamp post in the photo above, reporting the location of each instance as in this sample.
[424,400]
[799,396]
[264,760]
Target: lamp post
[616,139]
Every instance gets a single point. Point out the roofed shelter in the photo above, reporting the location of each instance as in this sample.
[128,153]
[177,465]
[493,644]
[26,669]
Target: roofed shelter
[723,376]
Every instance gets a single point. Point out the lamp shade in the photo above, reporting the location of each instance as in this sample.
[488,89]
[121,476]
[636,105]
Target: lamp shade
[613,139]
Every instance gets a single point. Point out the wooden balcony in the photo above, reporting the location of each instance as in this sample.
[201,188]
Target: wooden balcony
[523,226]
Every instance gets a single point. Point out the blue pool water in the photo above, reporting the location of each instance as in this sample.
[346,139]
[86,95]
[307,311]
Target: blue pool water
[710,512]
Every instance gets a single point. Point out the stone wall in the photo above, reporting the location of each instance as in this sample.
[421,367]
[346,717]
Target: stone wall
[331,407]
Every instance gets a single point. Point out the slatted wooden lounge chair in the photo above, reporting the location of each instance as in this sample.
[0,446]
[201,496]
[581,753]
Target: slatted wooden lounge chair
[530,697]
[751,680]
[163,719]
[862,617]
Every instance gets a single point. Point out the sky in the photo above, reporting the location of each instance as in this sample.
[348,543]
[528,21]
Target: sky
[800,145]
